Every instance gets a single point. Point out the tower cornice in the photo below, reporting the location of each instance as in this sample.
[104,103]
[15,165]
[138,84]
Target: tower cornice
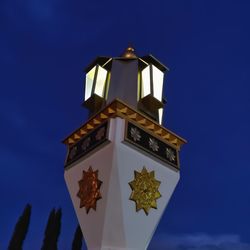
[117,108]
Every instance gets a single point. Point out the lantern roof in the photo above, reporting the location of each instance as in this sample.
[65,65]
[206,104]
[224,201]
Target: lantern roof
[150,59]
[128,54]
[101,60]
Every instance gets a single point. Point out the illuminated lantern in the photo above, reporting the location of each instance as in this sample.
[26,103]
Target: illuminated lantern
[151,78]
[96,85]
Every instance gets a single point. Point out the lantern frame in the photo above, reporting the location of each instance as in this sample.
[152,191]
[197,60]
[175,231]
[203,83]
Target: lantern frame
[150,100]
[95,101]
[150,104]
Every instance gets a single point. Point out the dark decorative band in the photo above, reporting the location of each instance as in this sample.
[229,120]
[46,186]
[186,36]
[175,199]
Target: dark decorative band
[152,145]
[117,108]
[89,142]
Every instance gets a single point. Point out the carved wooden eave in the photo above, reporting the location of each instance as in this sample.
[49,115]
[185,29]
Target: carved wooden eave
[117,108]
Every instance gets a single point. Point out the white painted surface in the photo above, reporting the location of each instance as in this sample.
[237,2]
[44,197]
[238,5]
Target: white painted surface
[116,224]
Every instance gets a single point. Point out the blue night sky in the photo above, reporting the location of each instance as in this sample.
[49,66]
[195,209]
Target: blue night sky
[44,47]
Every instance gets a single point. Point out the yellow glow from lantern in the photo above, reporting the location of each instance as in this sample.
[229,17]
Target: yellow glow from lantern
[160,113]
[100,81]
[89,82]
[145,82]
[157,83]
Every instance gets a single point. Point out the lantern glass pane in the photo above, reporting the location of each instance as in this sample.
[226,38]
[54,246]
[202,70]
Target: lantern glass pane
[145,82]
[100,81]
[89,82]
[160,113]
[157,83]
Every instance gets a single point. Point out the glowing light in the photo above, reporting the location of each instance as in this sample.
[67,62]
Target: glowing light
[95,78]
[151,73]
[100,81]
[145,82]
[160,113]
[157,83]
[89,82]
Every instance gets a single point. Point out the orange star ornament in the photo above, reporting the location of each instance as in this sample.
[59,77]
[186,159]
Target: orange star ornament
[89,189]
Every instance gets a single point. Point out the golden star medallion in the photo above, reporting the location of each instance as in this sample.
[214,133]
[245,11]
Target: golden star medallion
[145,190]
[89,189]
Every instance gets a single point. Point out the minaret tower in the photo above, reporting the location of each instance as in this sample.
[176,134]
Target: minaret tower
[122,165]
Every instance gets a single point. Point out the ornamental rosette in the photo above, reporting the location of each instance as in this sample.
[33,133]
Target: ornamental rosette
[153,144]
[100,134]
[89,189]
[145,190]
[135,134]
[170,154]
[85,144]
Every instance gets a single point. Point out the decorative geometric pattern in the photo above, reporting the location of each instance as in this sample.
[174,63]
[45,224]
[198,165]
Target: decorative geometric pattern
[153,144]
[145,190]
[170,154]
[86,144]
[89,189]
[72,153]
[119,109]
[100,134]
[135,134]
[142,139]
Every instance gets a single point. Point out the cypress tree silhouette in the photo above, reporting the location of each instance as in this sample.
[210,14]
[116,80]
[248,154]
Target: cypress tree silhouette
[57,228]
[21,229]
[77,241]
[49,231]
[52,230]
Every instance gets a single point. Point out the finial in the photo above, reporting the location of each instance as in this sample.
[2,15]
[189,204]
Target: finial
[129,53]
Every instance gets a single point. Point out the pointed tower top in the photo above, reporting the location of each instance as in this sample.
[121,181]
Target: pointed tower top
[129,53]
